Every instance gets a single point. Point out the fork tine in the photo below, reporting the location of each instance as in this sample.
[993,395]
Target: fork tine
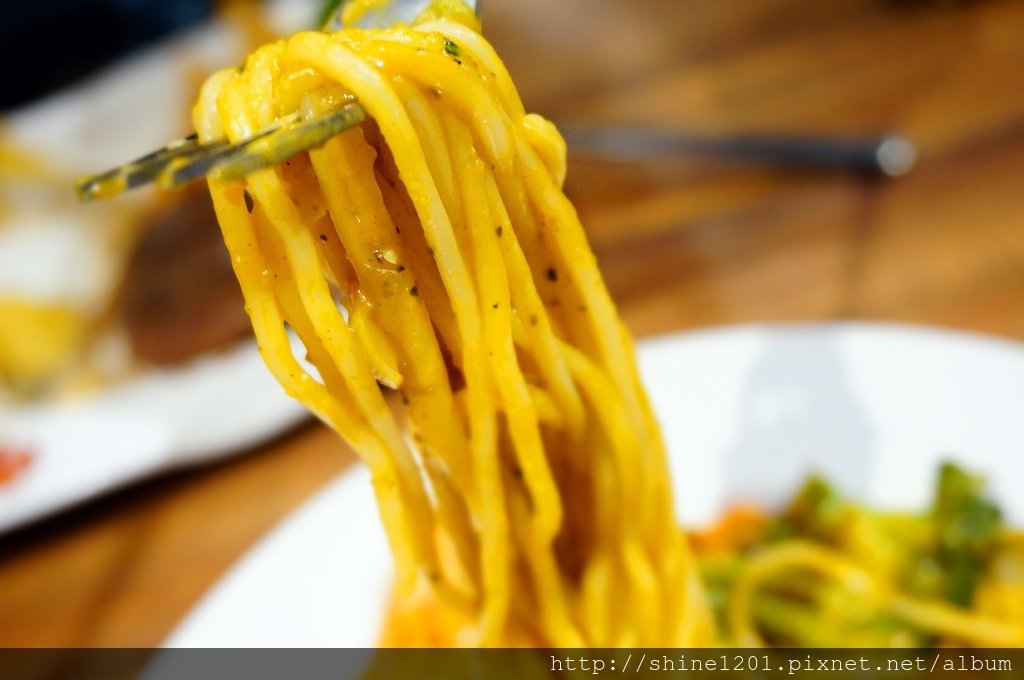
[138,172]
[185,160]
[264,149]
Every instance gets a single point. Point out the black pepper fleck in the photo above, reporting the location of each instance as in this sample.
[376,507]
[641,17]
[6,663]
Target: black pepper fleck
[552,274]
[249,203]
[414,291]
[499,231]
[323,237]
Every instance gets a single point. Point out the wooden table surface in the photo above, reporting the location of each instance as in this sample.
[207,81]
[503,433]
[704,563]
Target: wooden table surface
[684,244]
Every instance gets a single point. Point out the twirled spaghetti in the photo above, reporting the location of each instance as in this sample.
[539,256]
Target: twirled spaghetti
[526,480]
[523,482]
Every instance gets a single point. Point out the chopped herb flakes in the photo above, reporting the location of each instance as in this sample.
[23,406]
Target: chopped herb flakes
[452,49]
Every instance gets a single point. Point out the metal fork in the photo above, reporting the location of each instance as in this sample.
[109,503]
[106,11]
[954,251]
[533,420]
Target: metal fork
[187,159]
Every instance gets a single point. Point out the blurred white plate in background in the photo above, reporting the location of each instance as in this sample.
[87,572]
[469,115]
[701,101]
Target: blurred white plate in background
[748,412]
[160,420]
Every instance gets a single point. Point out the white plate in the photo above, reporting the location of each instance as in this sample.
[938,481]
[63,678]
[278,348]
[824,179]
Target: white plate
[160,420]
[747,412]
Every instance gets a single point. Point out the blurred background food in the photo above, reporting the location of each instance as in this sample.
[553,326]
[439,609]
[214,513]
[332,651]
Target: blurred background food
[93,295]
[955,552]
[90,294]
[178,297]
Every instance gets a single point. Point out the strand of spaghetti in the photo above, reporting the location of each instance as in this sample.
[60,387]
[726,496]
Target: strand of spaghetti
[595,604]
[616,534]
[431,291]
[345,354]
[248,261]
[452,82]
[568,234]
[549,589]
[565,229]
[761,567]
[496,303]
[610,416]
[670,514]
[646,591]
[544,345]
[538,128]
[686,614]
[276,351]
[424,379]
[544,519]
[366,229]
[429,285]
[534,528]
[677,555]
[485,55]
[327,322]
[438,157]
[956,624]
[345,66]
[929,615]
[244,105]
[695,622]
[428,128]
[543,137]
[548,412]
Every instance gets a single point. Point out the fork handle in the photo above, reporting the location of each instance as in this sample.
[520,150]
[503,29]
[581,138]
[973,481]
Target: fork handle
[888,155]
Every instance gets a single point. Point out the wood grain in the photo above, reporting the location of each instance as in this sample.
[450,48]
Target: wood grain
[684,244]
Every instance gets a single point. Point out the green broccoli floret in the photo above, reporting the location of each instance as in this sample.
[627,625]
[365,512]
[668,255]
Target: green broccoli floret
[817,511]
[967,530]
